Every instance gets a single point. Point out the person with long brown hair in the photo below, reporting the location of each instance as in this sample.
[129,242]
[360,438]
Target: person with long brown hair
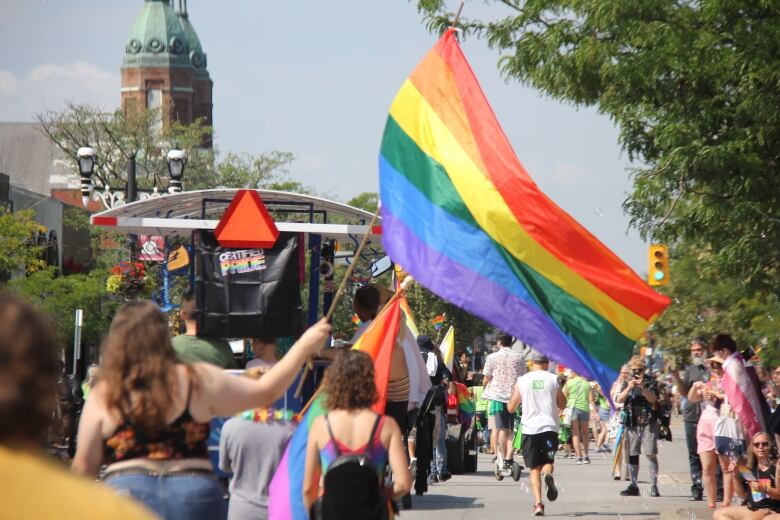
[148,416]
[350,391]
[33,487]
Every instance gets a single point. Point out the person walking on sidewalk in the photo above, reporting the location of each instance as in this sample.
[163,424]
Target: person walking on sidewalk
[502,369]
[539,393]
[579,399]
[640,422]
[693,373]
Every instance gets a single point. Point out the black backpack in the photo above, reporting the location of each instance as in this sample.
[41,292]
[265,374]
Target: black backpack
[351,486]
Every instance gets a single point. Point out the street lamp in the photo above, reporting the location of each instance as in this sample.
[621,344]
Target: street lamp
[86,158]
[177,160]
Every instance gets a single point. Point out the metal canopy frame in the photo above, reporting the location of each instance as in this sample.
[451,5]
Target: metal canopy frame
[179,214]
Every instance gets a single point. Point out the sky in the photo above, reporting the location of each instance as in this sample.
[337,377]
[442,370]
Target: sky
[317,79]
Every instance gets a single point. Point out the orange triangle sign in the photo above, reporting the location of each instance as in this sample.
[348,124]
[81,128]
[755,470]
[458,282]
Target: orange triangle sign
[246,223]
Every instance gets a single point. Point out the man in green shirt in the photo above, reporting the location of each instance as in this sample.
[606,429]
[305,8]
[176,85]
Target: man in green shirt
[192,349]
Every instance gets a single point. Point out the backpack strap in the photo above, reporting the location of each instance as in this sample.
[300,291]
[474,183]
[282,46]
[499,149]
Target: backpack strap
[370,443]
[332,438]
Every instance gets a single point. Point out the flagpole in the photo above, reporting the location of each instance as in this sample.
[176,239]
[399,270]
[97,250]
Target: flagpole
[339,292]
[457,16]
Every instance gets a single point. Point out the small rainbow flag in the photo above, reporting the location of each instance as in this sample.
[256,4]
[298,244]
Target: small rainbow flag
[466,403]
[286,488]
[465,219]
[356,320]
[438,322]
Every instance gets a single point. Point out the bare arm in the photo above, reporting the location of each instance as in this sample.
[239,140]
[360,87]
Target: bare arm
[514,401]
[89,451]
[694,395]
[402,479]
[226,394]
[560,400]
[311,475]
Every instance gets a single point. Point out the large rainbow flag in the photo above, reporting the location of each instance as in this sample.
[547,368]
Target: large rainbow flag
[286,488]
[463,217]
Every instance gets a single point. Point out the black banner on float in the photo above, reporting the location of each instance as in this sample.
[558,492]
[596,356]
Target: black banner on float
[245,293]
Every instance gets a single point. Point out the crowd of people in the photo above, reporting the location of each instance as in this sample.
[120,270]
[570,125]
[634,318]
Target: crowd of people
[148,406]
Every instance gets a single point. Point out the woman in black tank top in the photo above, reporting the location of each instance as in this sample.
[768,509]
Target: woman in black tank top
[757,483]
[148,416]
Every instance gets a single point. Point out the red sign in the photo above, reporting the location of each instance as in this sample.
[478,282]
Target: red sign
[151,248]
[246,223]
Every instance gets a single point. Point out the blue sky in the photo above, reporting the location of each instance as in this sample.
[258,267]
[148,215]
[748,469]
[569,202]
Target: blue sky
[316,79]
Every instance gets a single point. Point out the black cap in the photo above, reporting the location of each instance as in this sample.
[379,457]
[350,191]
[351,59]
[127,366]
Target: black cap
[424,342]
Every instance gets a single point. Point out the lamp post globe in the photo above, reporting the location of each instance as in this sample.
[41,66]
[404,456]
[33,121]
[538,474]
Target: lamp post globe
[177,160]
[86,157]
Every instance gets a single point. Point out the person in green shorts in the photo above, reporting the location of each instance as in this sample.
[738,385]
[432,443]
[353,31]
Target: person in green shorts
[579,399]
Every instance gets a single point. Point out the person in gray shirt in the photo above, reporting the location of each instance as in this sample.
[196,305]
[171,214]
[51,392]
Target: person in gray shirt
[251,451]
[694,372]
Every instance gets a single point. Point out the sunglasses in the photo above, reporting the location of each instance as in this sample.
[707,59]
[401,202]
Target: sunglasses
[760,444]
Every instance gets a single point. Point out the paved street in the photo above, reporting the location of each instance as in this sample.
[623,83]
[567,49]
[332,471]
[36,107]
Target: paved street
[587,492]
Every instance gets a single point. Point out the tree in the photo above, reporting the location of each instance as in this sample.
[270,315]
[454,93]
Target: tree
[119,136]
[692,86]
[367,200]
[705,303]
[18,250]
[60,296]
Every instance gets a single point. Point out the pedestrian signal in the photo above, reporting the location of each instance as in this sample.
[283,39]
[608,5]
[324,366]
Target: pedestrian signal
[658,263]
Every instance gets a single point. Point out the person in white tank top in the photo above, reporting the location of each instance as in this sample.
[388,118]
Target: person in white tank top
[540,394]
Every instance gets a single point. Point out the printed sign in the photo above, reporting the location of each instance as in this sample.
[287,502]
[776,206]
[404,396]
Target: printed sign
[242,261]
[151,248]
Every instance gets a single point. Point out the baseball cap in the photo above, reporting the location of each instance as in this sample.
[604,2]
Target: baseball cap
[539,358]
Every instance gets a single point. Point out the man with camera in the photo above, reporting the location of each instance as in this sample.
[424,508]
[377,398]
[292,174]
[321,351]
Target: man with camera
[639,395]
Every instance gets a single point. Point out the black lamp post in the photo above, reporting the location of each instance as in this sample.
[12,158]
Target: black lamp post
[177,160]
[86,158]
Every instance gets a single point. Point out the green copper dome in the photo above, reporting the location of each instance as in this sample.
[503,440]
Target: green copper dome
[196,54]
[160,37]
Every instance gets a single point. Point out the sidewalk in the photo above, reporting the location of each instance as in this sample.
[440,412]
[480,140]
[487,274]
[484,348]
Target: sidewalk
[586,492]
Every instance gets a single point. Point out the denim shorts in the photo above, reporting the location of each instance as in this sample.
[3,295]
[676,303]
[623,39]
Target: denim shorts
[580,415]
[174,497]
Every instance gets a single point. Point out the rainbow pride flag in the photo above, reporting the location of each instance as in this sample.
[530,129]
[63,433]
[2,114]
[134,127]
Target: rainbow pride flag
[463,217]
[438,321]
[466,403]
[286,488]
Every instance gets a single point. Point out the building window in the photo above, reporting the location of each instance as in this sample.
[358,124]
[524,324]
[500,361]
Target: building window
[154,102]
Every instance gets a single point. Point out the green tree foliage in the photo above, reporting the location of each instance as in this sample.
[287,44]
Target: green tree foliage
[368,200]
[692,87]
[706,303]
[60,296]
[425,306]
[18,251]
[117,137]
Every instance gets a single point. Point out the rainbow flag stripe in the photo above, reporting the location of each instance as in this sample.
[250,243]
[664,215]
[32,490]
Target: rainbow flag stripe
[463,217]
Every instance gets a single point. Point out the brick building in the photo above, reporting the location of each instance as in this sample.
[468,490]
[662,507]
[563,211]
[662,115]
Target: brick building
[164,65]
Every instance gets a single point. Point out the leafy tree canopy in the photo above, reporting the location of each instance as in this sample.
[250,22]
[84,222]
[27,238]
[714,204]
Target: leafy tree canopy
[118,136]
[692,86]
[18,251]
[368,200]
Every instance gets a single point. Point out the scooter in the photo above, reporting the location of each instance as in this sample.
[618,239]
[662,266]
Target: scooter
[514,470]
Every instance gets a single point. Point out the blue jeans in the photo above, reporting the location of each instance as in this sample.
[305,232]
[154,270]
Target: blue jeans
[439,466]
[175,497]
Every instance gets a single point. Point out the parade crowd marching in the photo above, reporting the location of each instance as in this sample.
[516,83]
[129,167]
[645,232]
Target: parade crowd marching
[147,409]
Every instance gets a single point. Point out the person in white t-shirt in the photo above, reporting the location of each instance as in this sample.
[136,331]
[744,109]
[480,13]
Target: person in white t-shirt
[541,396]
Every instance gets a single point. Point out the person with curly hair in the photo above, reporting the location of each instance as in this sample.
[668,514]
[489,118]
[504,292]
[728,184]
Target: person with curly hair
[350,391]
[32,486]
[148,417]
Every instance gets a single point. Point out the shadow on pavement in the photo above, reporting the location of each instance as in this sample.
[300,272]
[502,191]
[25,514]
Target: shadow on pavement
[430,502]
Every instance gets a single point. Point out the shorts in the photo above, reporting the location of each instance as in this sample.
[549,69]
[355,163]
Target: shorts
[539,449]
[580,415]
[502,416]
[604,414]
[642,439]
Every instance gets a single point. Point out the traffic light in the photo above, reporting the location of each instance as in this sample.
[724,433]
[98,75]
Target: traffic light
[658,262]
